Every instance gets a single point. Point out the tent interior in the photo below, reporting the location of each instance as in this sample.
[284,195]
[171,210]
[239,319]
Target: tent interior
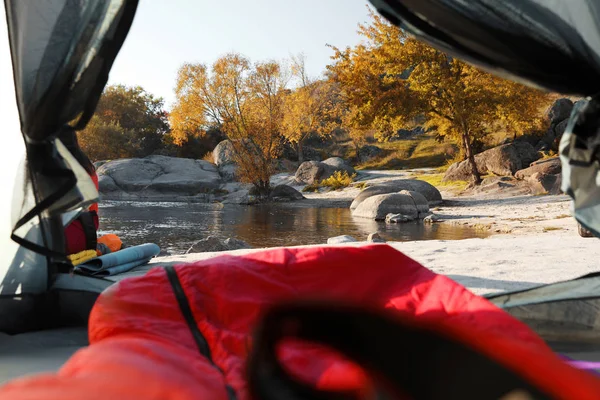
[62,51]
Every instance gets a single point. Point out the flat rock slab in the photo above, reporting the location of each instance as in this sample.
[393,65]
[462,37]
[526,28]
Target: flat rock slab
[157,176]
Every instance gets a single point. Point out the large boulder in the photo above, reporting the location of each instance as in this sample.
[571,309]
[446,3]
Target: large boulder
[223,154]
[228,172]
[551,166]
[559,110]
[285,193]
[429,191]
[213,243]
[158,176]
[311,154]
[502,160]
[420,201]
[369,152]
[339,164]
[107,184]
[551,139]
[379,206]
[310,172]
[241,197]
[545,184]
[507,159]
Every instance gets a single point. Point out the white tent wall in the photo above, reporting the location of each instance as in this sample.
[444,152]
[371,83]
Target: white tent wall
[12,150]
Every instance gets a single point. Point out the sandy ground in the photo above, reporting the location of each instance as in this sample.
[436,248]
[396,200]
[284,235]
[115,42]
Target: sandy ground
[534,239]
[489,265]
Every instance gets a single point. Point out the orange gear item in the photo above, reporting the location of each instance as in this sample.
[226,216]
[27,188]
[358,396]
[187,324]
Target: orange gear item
[111,241]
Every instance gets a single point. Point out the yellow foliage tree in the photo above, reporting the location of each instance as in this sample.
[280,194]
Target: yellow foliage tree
[308,108]
[245,100]
[392,78]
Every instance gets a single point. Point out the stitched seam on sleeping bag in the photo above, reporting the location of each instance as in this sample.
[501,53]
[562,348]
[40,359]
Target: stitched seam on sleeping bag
[186,310]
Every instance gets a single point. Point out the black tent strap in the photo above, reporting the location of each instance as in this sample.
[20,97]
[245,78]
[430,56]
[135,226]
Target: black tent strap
[42,206]
[188,315]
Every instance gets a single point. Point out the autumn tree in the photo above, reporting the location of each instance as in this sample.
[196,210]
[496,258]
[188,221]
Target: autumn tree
[245,100]
[309,108]
[392,78]
[128,122]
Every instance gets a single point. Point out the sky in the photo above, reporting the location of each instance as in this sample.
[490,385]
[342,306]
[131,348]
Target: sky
[165,34]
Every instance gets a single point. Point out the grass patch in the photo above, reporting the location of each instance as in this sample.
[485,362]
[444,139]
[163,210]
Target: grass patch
[437,181]
[337,181]
[209,157]
[361,185]
[422,151]
[548,154]
[552,228]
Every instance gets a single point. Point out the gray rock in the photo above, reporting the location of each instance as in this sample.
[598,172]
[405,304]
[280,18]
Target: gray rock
[241,197]
[98,164]
[341,239]
[339,164]
[283,165]
[492,180]
[228,172]
[107,184]
[159,176]
[560,128]
[369,152]
[310,172]
[502,160]
[236,244]
[375,238]
[431,218]
[311,154]
[285,192]
[559,110]
[397,218]
[420,201]
[213,243]
[224,153]
[544,184]
[551,166]
[379,206]
[429,191]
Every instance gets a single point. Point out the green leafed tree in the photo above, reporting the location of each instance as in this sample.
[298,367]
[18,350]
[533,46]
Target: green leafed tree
[128,122]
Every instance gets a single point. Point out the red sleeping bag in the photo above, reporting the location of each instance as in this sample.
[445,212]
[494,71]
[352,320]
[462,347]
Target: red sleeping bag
[141,346]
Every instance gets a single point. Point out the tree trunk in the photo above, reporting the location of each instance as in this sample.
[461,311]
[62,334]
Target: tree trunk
[300,151]
[470,157]
[357,149]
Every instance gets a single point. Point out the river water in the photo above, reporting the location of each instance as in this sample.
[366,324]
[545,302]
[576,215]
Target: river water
[176,226]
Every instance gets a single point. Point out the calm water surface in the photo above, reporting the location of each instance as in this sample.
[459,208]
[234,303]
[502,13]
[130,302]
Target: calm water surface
[176,226]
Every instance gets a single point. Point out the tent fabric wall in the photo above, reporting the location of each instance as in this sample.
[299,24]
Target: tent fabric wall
[553,44]
[61,52]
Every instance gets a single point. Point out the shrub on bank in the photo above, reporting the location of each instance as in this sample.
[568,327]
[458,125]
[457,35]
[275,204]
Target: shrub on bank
[337,181]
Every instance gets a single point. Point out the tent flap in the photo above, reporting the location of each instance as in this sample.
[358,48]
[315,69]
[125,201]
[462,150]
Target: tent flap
[552,44]
[62,52]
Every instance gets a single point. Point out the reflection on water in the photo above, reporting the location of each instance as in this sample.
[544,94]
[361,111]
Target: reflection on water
[176,226]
